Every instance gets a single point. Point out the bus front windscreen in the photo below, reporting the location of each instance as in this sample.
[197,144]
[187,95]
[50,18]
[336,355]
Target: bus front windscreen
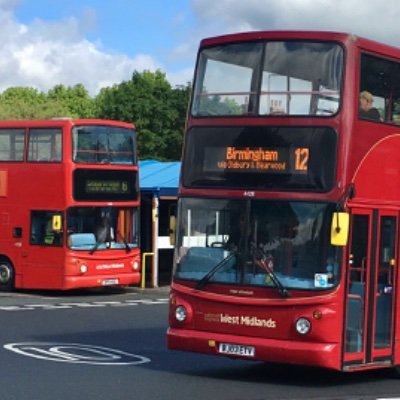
[103,228]
[276,244]
[266,78]
[96,144]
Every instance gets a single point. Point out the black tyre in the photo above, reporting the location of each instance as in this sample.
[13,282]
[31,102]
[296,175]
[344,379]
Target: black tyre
[6,276]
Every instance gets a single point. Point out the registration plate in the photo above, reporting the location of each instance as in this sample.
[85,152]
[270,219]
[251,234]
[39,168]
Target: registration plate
[236,350]
[110,282]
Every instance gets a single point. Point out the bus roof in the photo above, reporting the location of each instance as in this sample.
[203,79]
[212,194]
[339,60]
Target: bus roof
[340,37]
[62,122]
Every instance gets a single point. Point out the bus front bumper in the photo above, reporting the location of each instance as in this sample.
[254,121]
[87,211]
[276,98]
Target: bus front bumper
[326,355]
[75,282]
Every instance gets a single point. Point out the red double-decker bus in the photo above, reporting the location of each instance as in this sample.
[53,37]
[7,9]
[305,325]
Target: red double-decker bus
[69,204]
[287,236]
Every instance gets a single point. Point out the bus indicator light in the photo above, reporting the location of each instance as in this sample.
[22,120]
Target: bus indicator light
[317,314]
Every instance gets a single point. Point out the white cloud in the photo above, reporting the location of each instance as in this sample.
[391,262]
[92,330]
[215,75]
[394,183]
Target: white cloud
[44,54]
[372,19]
[6,5]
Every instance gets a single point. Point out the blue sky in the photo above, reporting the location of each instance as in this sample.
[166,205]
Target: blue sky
[101,42]
[127,26]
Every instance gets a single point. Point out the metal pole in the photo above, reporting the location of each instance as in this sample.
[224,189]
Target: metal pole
[154,269]
[143,282]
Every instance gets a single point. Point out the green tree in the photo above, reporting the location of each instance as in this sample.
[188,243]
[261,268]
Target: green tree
[147,100]
[157,110]
[215,105]
[75,99]
[27,103]
[179,101]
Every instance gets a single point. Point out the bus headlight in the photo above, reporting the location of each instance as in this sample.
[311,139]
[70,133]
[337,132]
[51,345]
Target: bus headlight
[135,265]
[303,326]
[180,313]
[83,268]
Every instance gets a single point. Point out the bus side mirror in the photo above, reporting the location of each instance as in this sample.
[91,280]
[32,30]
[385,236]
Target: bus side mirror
[56,223]
[340,228]
[172,229]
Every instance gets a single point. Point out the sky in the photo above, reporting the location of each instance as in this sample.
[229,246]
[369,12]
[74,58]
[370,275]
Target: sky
[99,43]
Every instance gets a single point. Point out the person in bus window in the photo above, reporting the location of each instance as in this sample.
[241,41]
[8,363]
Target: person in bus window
[277,108]
[104,232]
[366,110]
[237,232]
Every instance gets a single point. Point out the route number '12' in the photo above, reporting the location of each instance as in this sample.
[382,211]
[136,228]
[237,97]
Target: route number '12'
[301,159]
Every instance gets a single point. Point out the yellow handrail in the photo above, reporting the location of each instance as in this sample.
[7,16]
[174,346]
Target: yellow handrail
[143,282]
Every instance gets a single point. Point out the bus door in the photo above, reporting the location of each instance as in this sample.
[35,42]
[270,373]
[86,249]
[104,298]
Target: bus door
[43,260]
[370,290]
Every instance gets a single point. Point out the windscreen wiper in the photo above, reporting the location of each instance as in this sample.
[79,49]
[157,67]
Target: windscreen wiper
[263,263]
[206,278]
[127,247]
[95,247]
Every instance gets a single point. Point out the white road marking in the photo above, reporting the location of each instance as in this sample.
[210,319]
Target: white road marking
[76,353]
[93,304]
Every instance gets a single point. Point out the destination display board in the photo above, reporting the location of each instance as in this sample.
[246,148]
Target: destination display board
[261,157]
[92,185]
[103,186]
[279,160]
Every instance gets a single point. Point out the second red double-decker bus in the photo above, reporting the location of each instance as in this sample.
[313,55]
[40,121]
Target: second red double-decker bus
[69,204]
[287,237]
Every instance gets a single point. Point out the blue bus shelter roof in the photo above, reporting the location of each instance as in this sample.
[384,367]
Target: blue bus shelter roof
[160,178]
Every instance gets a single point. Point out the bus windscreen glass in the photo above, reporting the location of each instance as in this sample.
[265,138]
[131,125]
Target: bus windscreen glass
[279,244]
[267,78]
[93,144]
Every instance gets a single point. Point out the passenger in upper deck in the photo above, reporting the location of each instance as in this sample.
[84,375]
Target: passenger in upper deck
[277,108]
[366,110]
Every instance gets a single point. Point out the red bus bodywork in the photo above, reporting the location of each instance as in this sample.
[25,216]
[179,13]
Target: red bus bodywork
[34,189]
[350,324]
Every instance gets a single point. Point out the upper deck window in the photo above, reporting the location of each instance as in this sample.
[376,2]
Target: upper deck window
[266,78]
[103,145]
[44,145]
[379,89]
[12,143]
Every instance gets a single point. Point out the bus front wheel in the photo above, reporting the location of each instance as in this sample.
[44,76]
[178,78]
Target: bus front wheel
[6,276]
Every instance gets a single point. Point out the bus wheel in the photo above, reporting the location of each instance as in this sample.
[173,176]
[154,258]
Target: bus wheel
[6,276]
